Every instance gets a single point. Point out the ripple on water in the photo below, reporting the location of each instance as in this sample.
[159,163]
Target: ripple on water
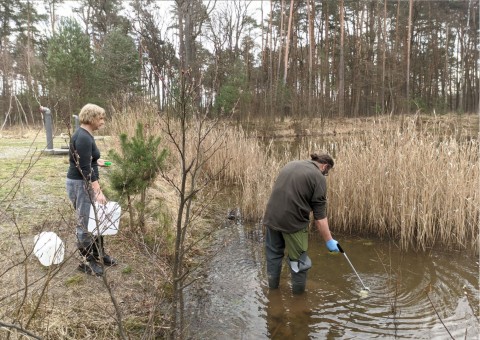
[407,292]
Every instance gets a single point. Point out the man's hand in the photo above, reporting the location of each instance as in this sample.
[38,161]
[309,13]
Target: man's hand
[332,245]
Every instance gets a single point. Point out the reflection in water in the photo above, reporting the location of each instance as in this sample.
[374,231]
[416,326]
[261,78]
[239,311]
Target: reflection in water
[413,295]
[288,315]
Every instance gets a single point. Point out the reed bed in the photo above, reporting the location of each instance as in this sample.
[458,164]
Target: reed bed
[412,181]
[251,165]
[409,180]
[231,156]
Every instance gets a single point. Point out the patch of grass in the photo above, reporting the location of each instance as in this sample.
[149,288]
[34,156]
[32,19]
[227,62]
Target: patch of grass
[75,280]
[30,176]
[127,270]
[32,184]
[134,325]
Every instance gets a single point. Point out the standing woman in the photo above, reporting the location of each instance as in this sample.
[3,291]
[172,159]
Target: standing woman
[83,187]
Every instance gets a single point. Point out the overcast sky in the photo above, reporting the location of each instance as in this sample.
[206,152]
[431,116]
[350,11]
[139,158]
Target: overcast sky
[162,14]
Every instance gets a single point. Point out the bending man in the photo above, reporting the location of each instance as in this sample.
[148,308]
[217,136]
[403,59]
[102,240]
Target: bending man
[299,189]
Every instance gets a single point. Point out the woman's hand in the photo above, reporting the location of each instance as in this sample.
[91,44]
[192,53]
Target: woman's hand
[101,162]
[100,198]
[98,194]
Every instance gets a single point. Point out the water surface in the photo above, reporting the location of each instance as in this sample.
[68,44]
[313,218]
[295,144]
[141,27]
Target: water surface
[430,295]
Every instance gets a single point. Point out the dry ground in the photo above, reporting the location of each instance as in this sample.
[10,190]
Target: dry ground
[74,305]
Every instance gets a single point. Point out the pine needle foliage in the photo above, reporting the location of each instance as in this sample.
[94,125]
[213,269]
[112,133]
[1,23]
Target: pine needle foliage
[136,168]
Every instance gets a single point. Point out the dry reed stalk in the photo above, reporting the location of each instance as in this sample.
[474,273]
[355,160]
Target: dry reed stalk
[408,184]
[254,168]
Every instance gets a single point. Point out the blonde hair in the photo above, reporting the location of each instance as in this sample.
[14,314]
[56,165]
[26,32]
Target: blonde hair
[90,112]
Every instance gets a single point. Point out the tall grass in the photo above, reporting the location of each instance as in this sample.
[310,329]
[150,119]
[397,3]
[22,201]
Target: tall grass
[412,181]
[408,183]
[252,166]
[239,158]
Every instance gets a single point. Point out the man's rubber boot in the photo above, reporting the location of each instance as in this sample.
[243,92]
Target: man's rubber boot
[273,282]
[107,260]
[299,281]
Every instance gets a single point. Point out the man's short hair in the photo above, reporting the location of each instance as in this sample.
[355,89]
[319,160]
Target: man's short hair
[323,159]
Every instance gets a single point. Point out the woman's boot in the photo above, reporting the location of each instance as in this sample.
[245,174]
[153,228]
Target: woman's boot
[90,265]
[107,260]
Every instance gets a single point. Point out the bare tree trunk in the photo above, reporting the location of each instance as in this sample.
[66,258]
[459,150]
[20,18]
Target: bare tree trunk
[52,4]
[7,95]
[384,58]
[181,4]
[476,90]
[188,39]
[265,65]
[461,71]
[29,53]
[446,72]
[409,42]
[396,61]
[270,61]
[341,66]
[326,95]
[130,211]
[357,83]
[311,52]
[282,40]
[464,67]
[287,43]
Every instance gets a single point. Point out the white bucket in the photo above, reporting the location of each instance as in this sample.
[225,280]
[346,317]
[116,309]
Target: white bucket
[48,248]
[108,218]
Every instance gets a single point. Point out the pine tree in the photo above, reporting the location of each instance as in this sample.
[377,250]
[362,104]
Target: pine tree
[117,66]
[136,168]
[70,66]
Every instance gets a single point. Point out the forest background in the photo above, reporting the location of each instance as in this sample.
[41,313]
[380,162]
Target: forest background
[271,58]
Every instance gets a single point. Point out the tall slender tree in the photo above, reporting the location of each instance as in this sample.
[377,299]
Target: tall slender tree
[117,67]
[287,43]
[311,52]
[407,56]
[70,67]
[341,63]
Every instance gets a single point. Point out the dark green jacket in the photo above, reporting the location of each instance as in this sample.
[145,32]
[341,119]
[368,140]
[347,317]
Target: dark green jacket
[299,189]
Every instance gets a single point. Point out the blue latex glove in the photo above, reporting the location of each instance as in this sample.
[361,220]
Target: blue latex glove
[332,245]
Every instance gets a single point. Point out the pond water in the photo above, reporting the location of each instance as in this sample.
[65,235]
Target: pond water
[432,295]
